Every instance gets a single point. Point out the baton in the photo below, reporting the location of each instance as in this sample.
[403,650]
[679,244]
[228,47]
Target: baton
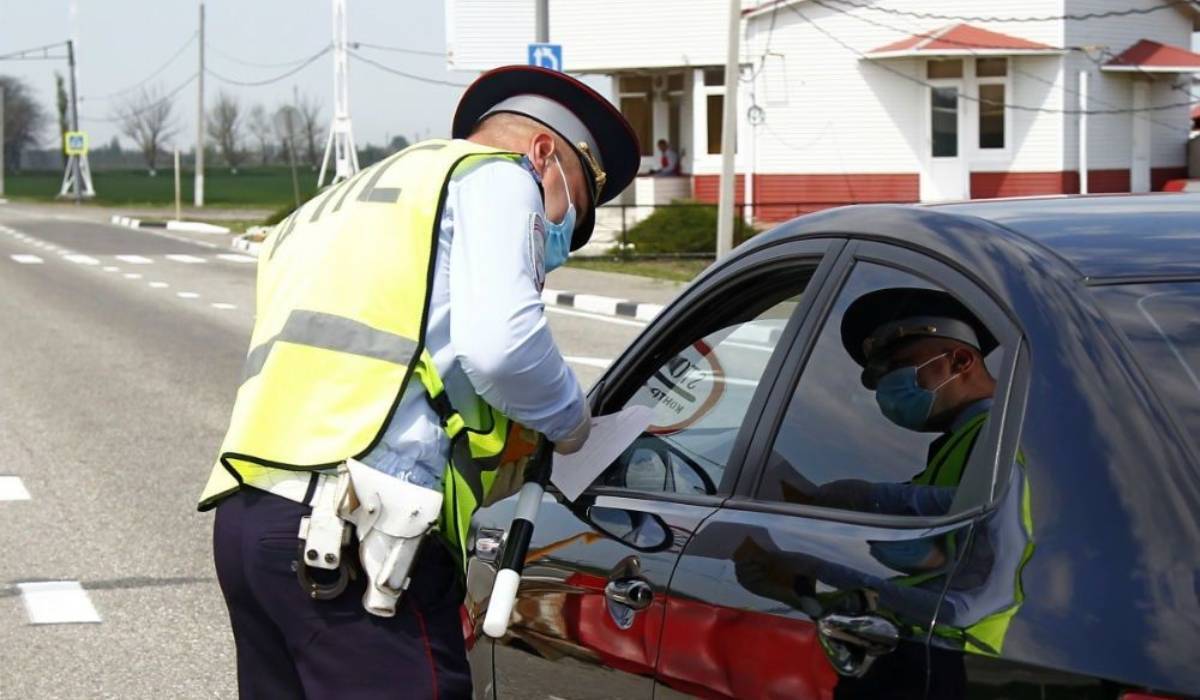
[516,545]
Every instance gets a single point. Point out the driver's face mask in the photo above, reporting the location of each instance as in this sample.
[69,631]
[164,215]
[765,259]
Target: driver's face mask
[903,400]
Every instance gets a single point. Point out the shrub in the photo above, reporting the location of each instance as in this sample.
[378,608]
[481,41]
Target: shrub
[683,227]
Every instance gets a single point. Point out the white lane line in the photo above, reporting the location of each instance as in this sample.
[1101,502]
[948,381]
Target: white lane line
[57,603]
[223,305]
[596,317]
[134,259]
[188,259]
[159,285]
[132,276]
[111,268]
[81,259]
[187,295]
[27,259]
[237,258]
[13,489]
[597,362]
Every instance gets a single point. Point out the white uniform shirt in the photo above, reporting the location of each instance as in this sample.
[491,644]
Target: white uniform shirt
[487,330]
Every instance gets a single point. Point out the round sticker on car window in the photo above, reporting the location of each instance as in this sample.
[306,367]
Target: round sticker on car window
[685,389]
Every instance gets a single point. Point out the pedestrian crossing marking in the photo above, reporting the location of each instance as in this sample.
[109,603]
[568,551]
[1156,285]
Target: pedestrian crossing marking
[81,259]
[188,259]
[13,489]
[223,305]
[57,603]
[26,259]
[135,259]
[237,258]
[187,295]
[159,285]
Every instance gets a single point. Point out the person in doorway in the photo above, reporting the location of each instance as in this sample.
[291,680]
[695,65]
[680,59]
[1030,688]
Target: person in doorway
[399,348]
[668,160]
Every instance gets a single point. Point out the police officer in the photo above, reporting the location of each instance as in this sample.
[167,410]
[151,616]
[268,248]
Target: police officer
[399,348]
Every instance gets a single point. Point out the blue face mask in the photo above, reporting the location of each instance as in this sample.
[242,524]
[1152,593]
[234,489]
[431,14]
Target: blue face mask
[903,400]
[558,236]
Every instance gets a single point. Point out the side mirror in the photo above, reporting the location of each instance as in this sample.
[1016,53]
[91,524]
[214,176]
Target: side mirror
[643,531]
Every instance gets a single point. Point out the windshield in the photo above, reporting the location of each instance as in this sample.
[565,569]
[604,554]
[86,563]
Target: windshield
[1162,321]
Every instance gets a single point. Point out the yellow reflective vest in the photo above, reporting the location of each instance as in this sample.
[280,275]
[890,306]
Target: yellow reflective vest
[342,297]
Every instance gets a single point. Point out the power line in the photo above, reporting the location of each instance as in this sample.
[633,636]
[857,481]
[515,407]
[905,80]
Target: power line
[257,83]
[24,54]
[1083,16]
[1011,64]
[1007,105]
[402,74]
[145,108]
[148,78]
[396,49]
[254,64]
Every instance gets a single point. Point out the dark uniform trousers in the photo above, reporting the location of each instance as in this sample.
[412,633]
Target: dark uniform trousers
[291,646]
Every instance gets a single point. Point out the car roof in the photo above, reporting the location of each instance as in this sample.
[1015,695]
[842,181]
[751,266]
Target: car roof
[1104,236]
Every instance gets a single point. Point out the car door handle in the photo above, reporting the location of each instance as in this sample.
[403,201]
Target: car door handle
[633,593]
[488,543]
[873,634]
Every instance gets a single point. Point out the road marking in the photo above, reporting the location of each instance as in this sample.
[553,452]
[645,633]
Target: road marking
[597,362]
[81,259]
[188,259]
[223,305]
[57,603]
[12,489]
[237,258]
[111,268]
[159,285]
[187,295]
[596,317]
[134,259]
[132,276]
[27,259]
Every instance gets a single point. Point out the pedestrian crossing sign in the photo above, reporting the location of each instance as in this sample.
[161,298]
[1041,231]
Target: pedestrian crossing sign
[75,143]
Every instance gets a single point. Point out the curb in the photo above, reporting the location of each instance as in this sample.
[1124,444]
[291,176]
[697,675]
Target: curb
[193,226]
[597,304]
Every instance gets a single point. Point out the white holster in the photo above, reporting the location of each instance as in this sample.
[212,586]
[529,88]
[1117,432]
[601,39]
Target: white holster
[392,517]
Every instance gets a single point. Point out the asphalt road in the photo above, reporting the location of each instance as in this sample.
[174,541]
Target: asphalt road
[120,358]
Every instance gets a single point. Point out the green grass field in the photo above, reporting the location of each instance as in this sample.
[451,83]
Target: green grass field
[268,188]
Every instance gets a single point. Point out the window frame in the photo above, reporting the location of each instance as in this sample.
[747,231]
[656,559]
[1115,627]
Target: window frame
[621,377]
[999,443]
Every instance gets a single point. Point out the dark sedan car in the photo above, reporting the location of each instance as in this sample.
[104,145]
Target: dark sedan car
[775,534]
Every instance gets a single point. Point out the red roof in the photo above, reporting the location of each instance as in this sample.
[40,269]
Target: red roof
[960,38]
[1152,56]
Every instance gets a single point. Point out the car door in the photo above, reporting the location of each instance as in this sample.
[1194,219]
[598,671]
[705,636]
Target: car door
[786,593]
[589,611]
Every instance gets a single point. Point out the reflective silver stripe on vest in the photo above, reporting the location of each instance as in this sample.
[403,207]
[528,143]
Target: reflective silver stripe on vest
[330,332]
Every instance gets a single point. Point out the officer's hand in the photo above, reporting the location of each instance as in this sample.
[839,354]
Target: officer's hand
[578,435]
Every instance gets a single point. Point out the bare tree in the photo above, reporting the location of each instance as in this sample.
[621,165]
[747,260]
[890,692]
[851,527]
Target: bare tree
[312,129]
[147,119]
[224,126]
[24,120]
[260,126]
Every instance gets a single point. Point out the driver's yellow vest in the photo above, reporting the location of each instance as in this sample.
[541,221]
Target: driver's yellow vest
[342,297]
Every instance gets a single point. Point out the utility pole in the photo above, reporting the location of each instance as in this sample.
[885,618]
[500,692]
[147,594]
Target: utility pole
[198,188]
[1083,132]
[341,138]
[77,180]
[1,140]
[725,205]
[543,21]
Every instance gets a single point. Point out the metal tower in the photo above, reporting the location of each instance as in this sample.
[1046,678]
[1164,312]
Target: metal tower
[340,143]
[77,180]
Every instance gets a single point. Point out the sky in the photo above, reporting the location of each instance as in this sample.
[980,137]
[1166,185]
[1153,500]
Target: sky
[122,42]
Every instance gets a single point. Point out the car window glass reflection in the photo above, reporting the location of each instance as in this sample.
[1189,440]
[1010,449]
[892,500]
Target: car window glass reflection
[701,394]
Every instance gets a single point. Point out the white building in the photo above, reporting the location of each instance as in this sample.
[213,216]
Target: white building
[878,100]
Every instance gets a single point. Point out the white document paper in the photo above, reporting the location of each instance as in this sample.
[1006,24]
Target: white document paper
[611,435]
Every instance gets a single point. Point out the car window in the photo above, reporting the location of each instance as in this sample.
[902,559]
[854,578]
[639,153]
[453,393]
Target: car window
[900,447]
[1161,323]
[700,393]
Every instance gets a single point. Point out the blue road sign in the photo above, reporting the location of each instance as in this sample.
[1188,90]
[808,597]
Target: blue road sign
[546,56]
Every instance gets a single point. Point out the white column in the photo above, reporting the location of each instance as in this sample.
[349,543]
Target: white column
[1083,132]
[1139,164]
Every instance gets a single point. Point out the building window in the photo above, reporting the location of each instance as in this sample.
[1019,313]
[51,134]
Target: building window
[944,69]
[991,116]
[991,67]
[714,77]
[634,96]
[943,120]
[716,109]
